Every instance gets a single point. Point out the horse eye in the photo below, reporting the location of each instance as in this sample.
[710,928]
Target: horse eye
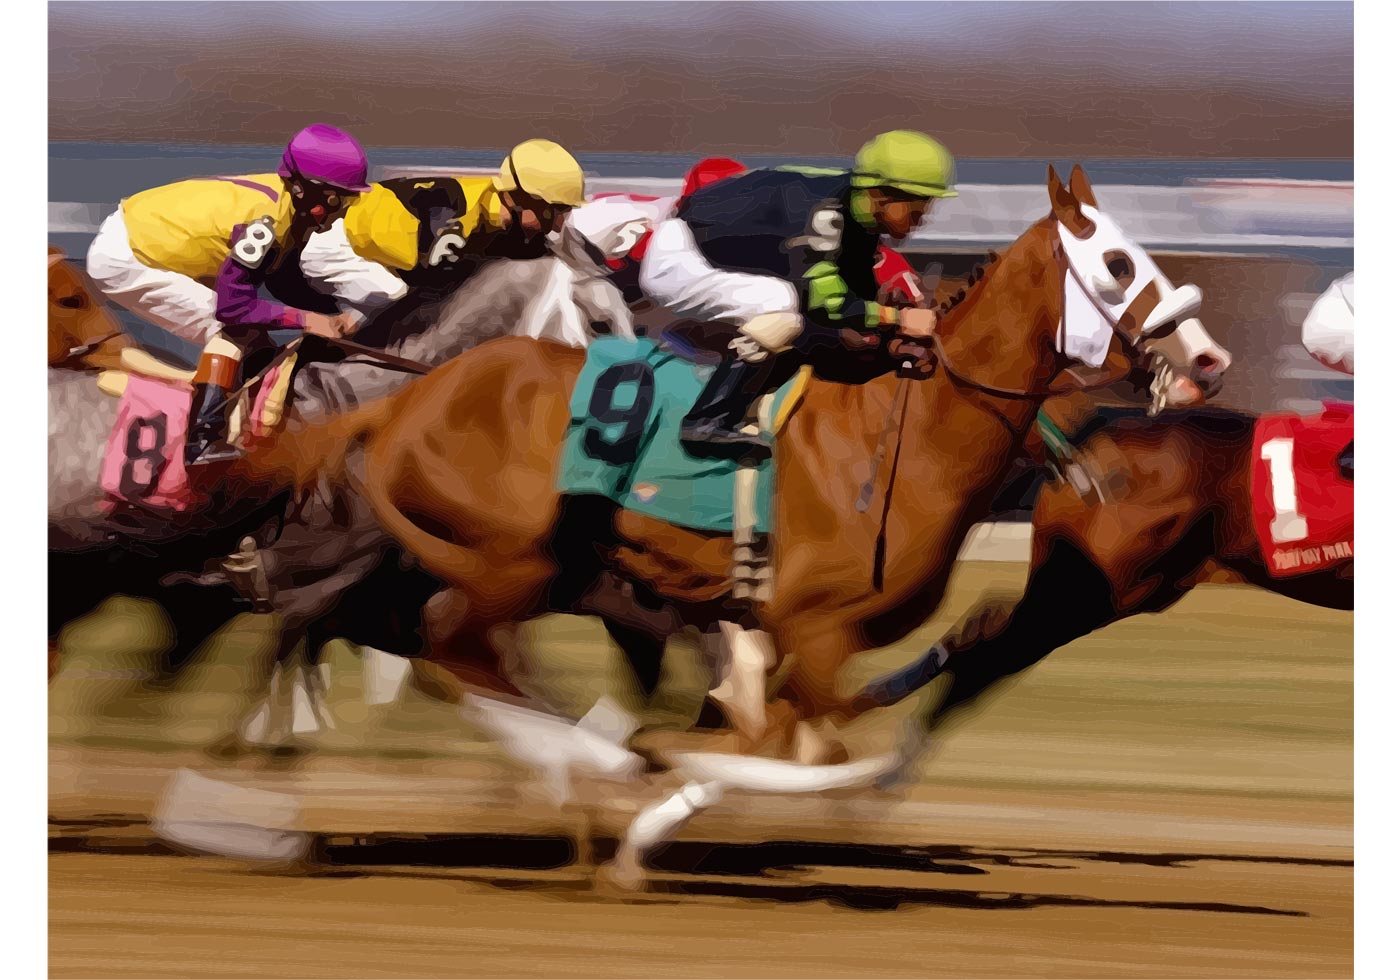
[74,302]
[1165,330]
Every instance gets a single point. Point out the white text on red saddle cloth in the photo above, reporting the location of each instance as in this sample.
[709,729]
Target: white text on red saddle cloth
[1303,507]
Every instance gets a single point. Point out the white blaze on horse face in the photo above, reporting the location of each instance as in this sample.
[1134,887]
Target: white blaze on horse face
[1096,299]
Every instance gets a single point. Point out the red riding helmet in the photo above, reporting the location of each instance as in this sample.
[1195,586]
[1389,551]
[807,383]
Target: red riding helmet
[709,170]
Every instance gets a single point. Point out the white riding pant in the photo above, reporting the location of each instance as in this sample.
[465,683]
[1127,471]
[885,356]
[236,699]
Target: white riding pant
[331,266]
[676,275]
[171,301]
[186,307]
[1329,331]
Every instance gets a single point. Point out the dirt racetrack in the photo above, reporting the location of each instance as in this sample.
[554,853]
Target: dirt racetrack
[1169,797]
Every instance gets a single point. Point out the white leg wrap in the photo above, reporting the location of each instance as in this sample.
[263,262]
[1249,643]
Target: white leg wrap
[385,676]
[742,688]
[661,821]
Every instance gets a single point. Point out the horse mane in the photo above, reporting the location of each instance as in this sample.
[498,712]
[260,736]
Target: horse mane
[974,282]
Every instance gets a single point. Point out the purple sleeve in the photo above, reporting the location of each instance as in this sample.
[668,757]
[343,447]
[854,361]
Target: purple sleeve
[238,302]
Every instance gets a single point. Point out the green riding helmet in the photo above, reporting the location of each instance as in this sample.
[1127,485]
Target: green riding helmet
[906,161]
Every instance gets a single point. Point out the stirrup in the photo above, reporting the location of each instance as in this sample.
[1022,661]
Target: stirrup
[213,452]
[248,575]
[711,437]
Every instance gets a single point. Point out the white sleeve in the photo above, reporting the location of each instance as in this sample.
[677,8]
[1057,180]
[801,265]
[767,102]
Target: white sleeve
[332,266]
[1329,329]
[610,225]
[676,275]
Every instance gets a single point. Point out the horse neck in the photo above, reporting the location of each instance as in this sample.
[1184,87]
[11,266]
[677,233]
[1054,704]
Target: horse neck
[957,444]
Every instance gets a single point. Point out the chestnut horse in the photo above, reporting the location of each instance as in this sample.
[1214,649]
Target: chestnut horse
[83,333]
[460,468]
[1179,504]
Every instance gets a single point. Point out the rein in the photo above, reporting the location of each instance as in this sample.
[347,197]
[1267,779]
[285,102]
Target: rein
[383,357]
[1049,390]
[83,350]
[877,578]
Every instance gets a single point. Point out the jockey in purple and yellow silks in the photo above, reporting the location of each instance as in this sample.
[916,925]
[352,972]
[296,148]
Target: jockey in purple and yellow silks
[190,257]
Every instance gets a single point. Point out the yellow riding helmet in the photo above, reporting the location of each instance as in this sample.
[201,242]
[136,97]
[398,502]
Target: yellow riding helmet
[543,169]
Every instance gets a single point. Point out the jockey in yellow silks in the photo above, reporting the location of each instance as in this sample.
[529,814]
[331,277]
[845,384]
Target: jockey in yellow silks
[190,257]
[433,232]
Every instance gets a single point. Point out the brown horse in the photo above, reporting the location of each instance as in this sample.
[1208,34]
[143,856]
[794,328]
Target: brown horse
[460,467]
[83,333]
[1179,509]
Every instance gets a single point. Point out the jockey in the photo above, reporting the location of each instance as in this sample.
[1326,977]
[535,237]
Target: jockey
[788,256]
[1329,335]
[190,256]
[612,222]
[433,232]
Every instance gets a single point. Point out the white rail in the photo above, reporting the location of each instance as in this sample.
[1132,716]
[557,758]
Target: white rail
[1214,214]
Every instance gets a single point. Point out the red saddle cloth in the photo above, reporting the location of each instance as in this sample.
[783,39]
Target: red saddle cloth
[1303,508]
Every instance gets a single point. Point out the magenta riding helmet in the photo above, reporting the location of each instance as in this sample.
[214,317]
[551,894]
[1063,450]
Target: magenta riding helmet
[327,155]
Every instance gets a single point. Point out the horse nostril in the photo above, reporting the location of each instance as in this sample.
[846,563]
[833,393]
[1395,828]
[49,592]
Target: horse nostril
[1208,364]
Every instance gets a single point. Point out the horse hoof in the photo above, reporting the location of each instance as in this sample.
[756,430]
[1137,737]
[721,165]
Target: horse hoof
[226,749]
[286,756]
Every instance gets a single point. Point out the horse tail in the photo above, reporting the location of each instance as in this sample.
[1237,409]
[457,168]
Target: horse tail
[299,456]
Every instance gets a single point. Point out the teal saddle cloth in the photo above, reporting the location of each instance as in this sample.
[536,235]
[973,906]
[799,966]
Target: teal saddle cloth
[623,441]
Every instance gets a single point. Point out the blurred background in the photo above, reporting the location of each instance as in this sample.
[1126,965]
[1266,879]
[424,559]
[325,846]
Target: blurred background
[1219,134]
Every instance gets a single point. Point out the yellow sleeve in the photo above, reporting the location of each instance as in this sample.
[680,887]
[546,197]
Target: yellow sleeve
[382,230]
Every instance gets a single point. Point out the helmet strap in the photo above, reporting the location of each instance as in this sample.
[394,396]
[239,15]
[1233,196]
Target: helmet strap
[862,208]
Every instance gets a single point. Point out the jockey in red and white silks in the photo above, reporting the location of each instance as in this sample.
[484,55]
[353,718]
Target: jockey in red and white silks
[621,228]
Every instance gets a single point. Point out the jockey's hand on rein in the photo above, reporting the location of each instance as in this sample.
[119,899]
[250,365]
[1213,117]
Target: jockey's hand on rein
[917,323]
[322,325]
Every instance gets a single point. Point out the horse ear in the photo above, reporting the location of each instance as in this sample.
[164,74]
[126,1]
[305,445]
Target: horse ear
[1079,187]
[1062,200]
[1065,207]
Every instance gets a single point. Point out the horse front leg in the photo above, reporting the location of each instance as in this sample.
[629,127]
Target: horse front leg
[271,723]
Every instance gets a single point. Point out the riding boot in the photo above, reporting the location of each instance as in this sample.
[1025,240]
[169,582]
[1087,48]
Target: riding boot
[712,427]
[214,379]
[1346,461]
[208,424]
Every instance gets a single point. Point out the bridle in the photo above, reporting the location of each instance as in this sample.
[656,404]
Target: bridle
[83,350]
[1127,328]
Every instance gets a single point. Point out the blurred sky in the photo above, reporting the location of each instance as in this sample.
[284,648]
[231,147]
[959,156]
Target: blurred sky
[992,79]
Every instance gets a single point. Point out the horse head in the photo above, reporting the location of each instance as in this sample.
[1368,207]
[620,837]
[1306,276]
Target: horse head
[1074,291]
[77,319]
[1112,286]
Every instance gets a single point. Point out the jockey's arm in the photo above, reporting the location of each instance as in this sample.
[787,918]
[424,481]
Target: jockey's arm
[831,306]
[1329,331]
[332,266]
[236,287]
